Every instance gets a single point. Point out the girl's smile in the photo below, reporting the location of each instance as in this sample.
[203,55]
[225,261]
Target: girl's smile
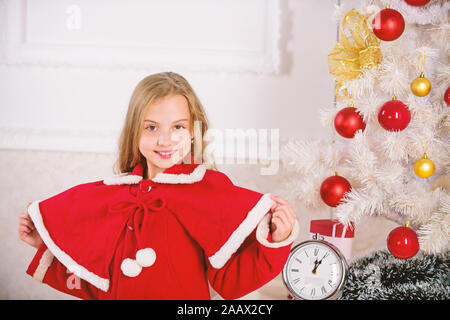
[166,154]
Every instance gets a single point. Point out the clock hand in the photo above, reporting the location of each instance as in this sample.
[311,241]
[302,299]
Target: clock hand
[317,263]
[315,267]
[322,258]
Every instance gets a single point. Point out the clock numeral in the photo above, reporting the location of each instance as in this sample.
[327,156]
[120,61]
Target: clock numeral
[295,281]
[323,290]
[298,260]
[316,251]
[306,254]
[313,292]
[330,283]
[326,255]
[294,270]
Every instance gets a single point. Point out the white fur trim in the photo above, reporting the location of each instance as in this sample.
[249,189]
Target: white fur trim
[195,176]
[255,215]
[44,263]
[130,267]
[64,258]
[146,257]
[123,178]
[264,228]
[127,178]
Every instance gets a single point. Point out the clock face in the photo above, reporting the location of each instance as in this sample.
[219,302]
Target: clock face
[313,271]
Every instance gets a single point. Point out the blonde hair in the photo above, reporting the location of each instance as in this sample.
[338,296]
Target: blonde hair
[147,91]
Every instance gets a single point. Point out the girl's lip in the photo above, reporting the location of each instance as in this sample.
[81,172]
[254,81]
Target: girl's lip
[165,156]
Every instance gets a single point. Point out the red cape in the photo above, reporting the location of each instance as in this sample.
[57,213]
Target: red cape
[83,225]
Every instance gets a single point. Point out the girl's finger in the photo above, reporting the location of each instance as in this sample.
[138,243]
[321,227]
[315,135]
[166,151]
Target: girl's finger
[29,218]
[30,225]
[22,220]
[24,229]
[279,221]
[286,220]
[279,227]
[273,207]
[27,222]
[25,217]
[278,199]
[289,214]
[284,203]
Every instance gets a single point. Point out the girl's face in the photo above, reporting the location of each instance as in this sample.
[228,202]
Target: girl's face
[167,134]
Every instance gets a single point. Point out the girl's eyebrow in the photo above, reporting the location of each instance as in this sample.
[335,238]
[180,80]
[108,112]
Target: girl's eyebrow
[148,120]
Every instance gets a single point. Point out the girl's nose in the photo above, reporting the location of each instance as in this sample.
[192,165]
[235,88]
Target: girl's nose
[166,138]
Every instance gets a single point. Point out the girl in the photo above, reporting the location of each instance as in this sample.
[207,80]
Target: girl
[164,227]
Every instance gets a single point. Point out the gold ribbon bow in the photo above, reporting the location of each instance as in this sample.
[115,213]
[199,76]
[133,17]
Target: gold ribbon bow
[357,50]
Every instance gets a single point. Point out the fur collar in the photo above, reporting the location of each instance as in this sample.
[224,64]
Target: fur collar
[178,173]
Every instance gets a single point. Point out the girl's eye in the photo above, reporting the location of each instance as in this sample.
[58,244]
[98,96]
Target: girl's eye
[179,127]
[151,128]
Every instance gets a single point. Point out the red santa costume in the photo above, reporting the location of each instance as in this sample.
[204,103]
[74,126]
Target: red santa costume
[171,237]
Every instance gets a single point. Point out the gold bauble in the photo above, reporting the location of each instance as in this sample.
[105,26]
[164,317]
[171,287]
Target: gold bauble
[421,86]
[424,167]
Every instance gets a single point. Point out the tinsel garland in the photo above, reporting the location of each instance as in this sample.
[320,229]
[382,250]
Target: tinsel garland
[381,276]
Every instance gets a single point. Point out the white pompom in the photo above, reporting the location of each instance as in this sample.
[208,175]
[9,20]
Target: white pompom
[146,257]
[130,267]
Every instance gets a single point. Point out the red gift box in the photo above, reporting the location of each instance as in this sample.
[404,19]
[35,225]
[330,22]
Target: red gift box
[332,228]
[336,233]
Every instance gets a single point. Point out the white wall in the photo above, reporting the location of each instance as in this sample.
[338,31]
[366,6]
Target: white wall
[65,89]
[63,100]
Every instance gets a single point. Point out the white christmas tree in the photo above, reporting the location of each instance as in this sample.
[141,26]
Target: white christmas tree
[378,160]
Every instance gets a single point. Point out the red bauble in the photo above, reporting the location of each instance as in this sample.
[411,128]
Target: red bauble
[333,189]
[403,243]
[394,115]
[417,3]
[447,96]
[348,121]
[388,24]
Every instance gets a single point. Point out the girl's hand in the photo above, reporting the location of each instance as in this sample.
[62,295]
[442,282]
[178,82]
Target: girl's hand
[27,230]
[283,219]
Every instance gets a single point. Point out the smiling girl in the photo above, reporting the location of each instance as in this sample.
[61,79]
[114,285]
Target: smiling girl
[166,226]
